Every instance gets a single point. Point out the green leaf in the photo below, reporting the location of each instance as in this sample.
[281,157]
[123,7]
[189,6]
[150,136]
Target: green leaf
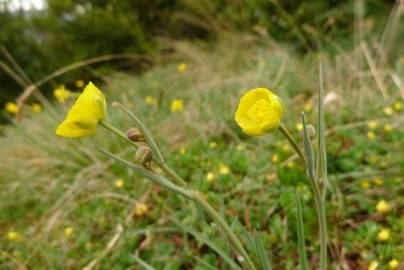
[300,235]
[308,149]
[322,155]
[207,265]
[261,253]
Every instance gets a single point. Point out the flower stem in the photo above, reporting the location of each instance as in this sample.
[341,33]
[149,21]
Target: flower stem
[293,142]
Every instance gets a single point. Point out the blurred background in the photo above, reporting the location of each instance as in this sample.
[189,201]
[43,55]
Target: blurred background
[181,66]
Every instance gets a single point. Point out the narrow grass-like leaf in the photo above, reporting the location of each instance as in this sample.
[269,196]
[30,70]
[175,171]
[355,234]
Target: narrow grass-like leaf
[205,264]
[209,243]
[261,253]
[322,155]
[142,263]
[300,235]
[308,149]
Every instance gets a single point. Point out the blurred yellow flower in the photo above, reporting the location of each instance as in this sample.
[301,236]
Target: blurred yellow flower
[393,264]
[240,147]
[372,124]
[308,107]
[388,128]
[11,107]
[398,106]
[383,207]
[371,135]
[388,111]
[259,112]
[13,236]
[210,176]
[36,107]
[182,67]
[79,83]
[383,235]
[150,100]
[378,181]
[84,115]
[373,265]
[299,126]
[290,164]
[183,151]
[141,209]
[365,184]
[212,145]
[286,148]
[177,105]
[119,183]
[223,169]
[68,231]
[275,158]
[62,94]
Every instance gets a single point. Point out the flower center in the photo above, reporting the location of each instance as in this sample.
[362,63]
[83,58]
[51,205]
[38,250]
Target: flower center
[260,111]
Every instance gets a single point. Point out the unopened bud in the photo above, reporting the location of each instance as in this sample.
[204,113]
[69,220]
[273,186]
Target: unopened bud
[311,130]
[144,155]
[135,135]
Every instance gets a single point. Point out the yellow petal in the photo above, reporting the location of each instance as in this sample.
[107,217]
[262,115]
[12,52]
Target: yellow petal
[76,129]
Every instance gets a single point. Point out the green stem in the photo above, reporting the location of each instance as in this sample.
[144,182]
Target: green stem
[293,142]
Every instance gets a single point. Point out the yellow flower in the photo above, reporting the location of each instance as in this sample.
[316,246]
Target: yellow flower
[365,184]
[36,107]
[84,115]
[286,148]
[290,164]
[393,264]
[383,207]
[383,235]
[398,106]
[79,83]
[275,158]
[240,147]
[388,111]
[378,181]
[177,105]
[308,107]
[11,107]
[182,67]
[224,169]
[13,236]
[299,126]
[62,94]
[150,100]
[119,183]
[373,265]
[68,231]
[183,150]
[212,145]
[259,112]
[371,135]
[210,177]
[141,209]
[372,124]
[388,128]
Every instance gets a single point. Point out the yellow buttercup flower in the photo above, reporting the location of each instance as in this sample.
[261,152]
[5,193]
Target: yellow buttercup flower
[62,94]
[141,209]
[240,147]
[119,183]
[13,236]
[177,105]
[275,158]
[371,135]
[183,151]
[150,100]
[212,145]
[388,111]
[79,83]
[224,169]
[84,115]
[388,128]
[373,265]
[68,231]
[378,181]
[372,124]
[383,235]
[259,112]
[36,107]
[210,177]
[393,264]
[308,107]
[182,67]
[365,184]
[383,207]
[398,106]
[299,126]
[290,164]
[11,107]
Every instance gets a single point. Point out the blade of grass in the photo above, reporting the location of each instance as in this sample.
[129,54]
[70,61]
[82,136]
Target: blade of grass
[143,263]
[300,235]
[205,264]
[322,160]
[261,253]
[308,149]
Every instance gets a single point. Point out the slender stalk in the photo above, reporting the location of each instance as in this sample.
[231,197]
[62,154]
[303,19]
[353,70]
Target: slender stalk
[293,142]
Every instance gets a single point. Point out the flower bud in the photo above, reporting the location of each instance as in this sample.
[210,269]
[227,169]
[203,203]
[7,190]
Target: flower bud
[144,155]
[311,130]
[135,135]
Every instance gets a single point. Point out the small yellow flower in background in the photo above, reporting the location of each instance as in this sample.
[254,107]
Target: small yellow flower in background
[259,112]
[398,106]
[79,83]
[212,145]
[275,158]
[240,147]
[371,135]
[13,236]
[388,128]
[378,181]
[286,148]
[299,126]
[308,107]
[224,169]
[141,209]
[62,94]
[68,231]
[119,183]
[388,111]
[182,67]
[373,265]
[365,184]
[84,115]
[150,100]
[383,235]
[290,164]
[177,105]
[393,264]
[183,151]
[210,176]
[272,177]
[383,207]
[36,107]
[11,107]
[372,124]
